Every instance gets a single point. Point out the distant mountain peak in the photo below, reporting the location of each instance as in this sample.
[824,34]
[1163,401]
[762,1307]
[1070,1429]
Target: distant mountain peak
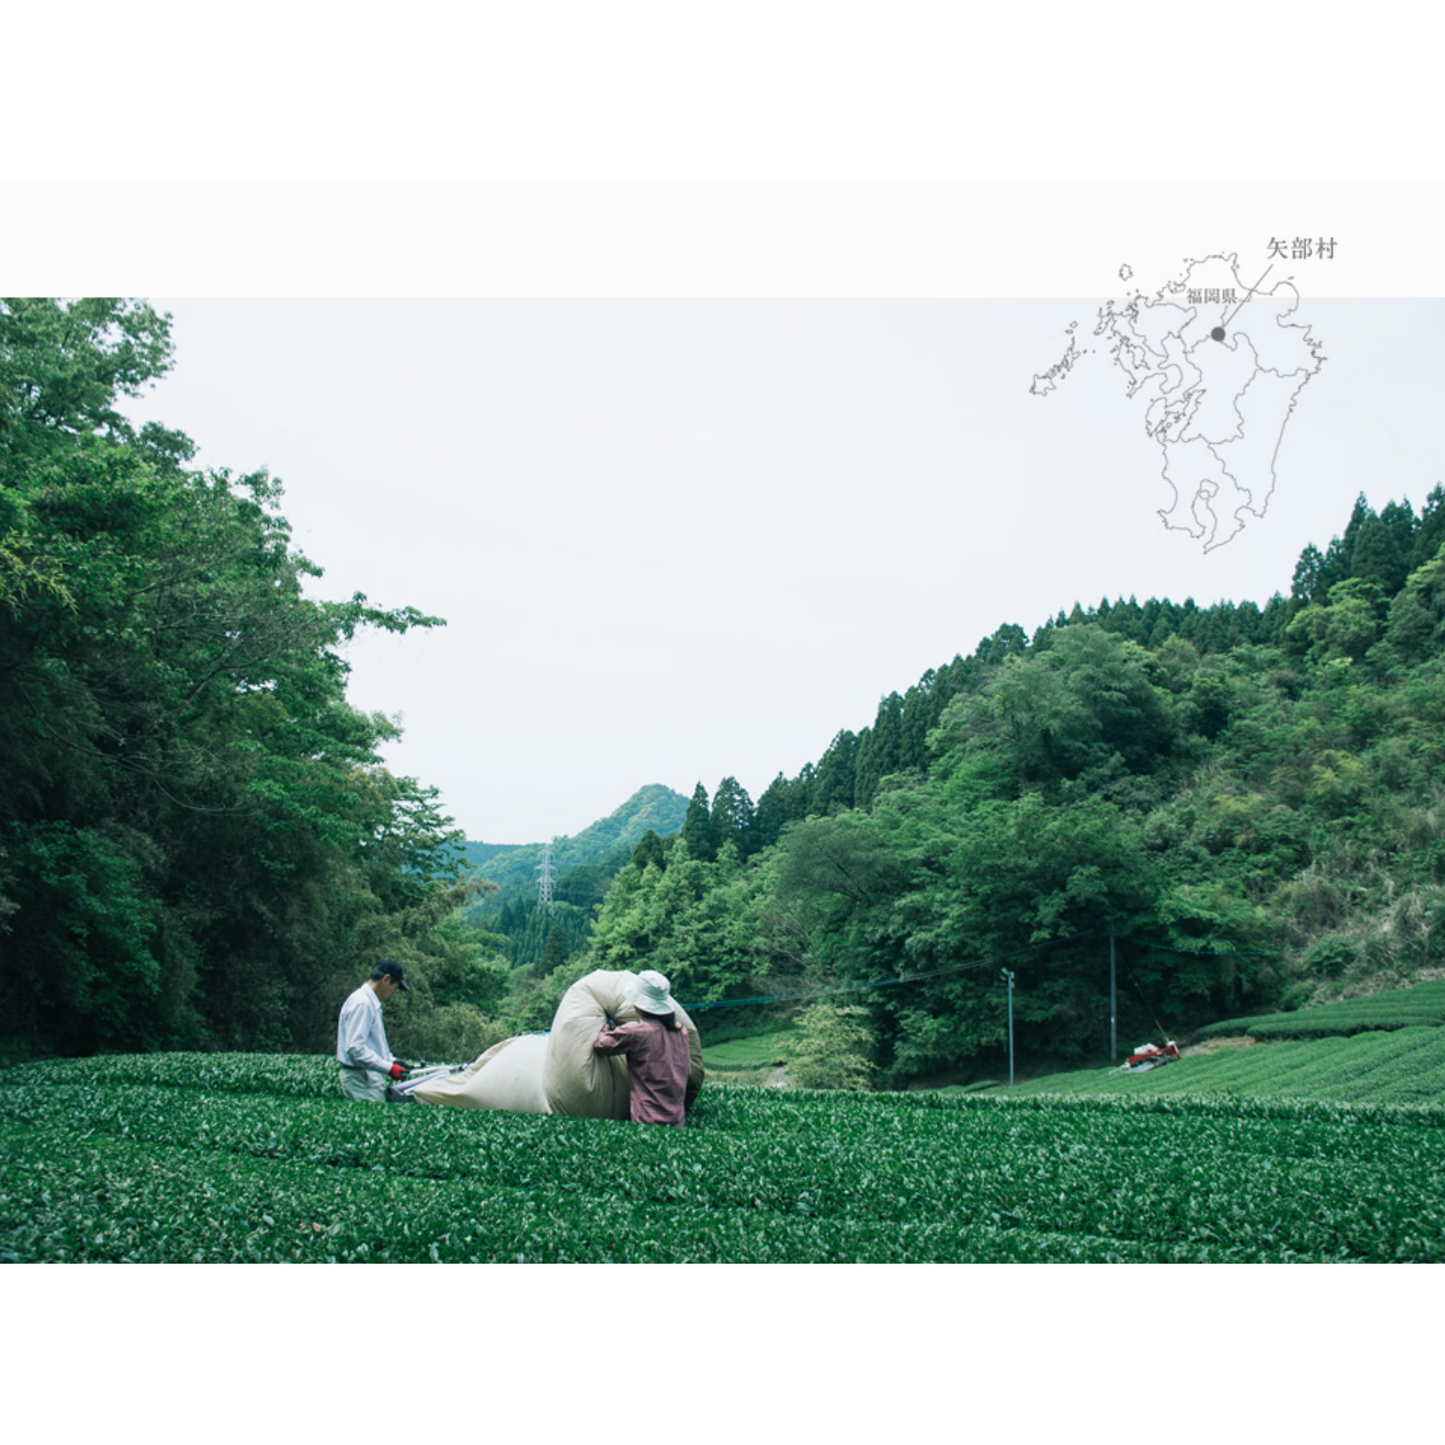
[653,806]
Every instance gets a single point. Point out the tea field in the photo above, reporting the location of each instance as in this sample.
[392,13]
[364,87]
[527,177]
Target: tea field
[1399,1008]
[758,1051]
[1399,1066]
[251,1158]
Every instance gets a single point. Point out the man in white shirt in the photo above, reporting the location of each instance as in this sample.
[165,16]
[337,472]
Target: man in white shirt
[367,1065]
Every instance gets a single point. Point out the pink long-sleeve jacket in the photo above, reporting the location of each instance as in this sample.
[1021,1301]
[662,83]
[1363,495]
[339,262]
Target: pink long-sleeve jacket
[658,1062]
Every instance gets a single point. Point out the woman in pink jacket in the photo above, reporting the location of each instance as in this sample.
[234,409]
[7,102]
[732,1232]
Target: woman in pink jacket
[658,1057]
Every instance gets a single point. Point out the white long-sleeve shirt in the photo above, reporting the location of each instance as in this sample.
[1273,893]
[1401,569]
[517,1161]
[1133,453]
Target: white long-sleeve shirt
[360,1035]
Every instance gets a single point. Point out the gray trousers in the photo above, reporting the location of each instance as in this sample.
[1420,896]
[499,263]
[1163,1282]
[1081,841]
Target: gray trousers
[367,1085]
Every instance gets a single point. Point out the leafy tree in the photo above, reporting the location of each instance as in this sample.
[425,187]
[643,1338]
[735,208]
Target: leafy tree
[690,921]
[1346,626]
[554,955]
[697,830]
[1429,534]
[831,1048]
[779,804]
[1090,697]
[920,706]
[1212,699]
[649,850]
[1382,549]
[1416,627]
[880,750]
[732,816]
[197,839]
[832,785]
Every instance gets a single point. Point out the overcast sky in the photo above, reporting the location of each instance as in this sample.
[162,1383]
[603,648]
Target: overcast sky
[676,540]
[679,539]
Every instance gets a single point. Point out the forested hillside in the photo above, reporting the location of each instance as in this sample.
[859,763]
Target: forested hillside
[198,844]
[513,868]
[583,867]
[1249,798]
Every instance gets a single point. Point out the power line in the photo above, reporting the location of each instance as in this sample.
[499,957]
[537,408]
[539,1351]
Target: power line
[998,958]
[993,959]
[1223,952]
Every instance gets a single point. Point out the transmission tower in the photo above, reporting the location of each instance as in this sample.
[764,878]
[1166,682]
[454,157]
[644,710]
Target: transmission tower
[544,882]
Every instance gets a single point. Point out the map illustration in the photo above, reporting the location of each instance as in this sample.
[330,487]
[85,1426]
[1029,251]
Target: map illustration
[1218,363]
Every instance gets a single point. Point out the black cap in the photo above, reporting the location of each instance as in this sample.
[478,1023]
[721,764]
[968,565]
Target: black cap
[385,966]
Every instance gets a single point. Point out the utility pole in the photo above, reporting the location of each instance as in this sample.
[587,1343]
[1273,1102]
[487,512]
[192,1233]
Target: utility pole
[1113,1004]
[1008,975]
[544,883]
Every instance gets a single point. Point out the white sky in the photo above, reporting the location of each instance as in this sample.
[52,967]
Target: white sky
[675,540]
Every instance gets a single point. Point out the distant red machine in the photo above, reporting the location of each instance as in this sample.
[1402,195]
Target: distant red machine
[1150,1056]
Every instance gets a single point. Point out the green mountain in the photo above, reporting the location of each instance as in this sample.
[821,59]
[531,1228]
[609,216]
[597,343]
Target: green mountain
[478,853]
[514,869]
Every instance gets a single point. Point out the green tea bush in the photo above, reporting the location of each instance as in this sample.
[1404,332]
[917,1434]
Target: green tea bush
[1394,1009]
[292,1075]
[150,1163]
[1402,1066]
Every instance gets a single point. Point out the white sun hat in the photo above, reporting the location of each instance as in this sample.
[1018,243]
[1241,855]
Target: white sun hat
[650,993]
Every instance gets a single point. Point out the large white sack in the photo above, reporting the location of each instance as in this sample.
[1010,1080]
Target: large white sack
[576,1079]
[508,1076]
[560,1072]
